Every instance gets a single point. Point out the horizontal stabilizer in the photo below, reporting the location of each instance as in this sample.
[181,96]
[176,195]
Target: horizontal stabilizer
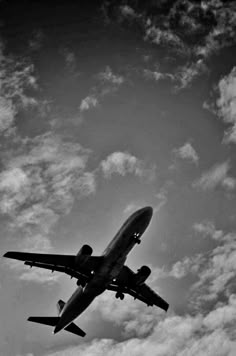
[46,320]
[74,329]
[53,320]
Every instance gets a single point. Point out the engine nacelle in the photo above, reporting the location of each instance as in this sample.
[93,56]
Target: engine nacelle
[83,255]
[142,274]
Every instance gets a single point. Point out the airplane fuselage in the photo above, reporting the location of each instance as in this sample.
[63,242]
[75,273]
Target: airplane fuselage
[114,258]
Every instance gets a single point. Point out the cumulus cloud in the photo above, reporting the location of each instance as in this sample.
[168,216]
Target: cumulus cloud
[187,265]
[216,176]
[218,273]
[214,269]
[175,335]
[207,228]
[187,152]
[40,182]
[88,103]
[226,104]
[109,81]
[160,36]
[128,12]
[185,74]
[123,163]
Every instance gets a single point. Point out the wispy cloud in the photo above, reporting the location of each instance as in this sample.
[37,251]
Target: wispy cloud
[123,163]
[107,82]
[216,176]
[187,152]
[16,78]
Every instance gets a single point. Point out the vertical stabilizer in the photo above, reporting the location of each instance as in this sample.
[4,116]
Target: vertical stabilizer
[60,306]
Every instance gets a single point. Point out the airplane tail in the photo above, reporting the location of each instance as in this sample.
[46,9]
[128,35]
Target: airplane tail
[53,320]
[60,306]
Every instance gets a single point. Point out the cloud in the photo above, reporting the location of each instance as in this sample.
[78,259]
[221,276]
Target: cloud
[7,114]
[128,12]
[226,104]
[216,176]
[107,83]
[187,152]
[207,228]
[161,37]
[161,199]
[107,76]
[186,73]
[36,244]
[218,273]
[187,265]
[132,207]
[88,103]
[214,269]
[40,180]
[156,75]
[123,163]
[175,335]
[16,78]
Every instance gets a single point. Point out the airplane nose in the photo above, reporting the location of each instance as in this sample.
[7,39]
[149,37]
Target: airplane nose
[148,210]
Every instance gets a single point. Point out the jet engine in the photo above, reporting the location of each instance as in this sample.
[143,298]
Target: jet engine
[142,274]
[83,255]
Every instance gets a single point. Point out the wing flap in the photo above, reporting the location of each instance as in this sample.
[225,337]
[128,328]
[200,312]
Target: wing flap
[53,268]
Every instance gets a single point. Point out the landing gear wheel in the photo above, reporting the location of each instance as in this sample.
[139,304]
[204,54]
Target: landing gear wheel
[137,240]
[120,295]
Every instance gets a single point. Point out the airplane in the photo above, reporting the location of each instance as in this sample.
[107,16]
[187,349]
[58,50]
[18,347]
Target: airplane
[95,274]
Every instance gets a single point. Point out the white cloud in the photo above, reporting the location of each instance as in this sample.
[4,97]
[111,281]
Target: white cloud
[175,335]
[39,244]
[88,103]
[40,181]
[161,199]
[108,76]
[132,207]
[187,152]
[128,11]
[187,265]
[158,36]
[207,228]
[185,74]
[218,272]
[123,163]
[216,176]
[7,114]
[226,104]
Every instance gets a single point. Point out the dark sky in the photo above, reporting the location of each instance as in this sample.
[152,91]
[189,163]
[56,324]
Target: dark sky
[104,109]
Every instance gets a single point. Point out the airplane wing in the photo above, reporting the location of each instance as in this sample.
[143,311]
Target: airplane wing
[60,263]
[143,292]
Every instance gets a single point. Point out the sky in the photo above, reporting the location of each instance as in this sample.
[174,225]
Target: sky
[106,108]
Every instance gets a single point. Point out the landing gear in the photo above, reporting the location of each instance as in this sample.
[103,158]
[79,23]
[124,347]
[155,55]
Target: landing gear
[120,295]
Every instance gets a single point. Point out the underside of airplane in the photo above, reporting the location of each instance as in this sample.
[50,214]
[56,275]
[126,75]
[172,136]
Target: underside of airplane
[95,274]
